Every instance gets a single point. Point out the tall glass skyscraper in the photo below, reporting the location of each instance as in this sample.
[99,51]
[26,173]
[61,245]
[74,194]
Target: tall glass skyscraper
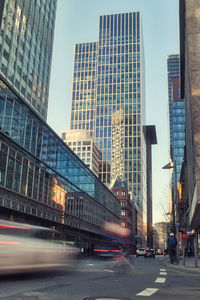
[176,113]
[83,109]
[108,76]
[26,41]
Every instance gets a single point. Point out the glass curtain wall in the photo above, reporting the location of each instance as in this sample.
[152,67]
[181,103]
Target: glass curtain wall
[120,86]
[23,126]
[83,109]
[25,50]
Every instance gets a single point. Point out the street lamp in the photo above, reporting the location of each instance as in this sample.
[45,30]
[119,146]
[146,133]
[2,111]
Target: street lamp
[175,225]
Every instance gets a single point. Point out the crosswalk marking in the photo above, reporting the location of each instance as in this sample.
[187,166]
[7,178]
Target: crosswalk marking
[162,270]
[163,273]
[160,280]
[147,292]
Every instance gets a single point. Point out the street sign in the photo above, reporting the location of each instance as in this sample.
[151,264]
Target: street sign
[177,224]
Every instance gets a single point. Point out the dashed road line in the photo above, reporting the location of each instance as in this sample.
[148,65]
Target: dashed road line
[147,292]
[162,270]
[163,273]
[160,280]
[107,270]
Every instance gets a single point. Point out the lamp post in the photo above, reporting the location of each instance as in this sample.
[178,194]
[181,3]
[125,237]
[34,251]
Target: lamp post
[174,206]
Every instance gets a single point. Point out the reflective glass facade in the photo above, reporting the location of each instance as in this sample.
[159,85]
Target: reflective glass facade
[117,67]
[120,86]
[26,41]
[178,141]
[46,175]
[176,113]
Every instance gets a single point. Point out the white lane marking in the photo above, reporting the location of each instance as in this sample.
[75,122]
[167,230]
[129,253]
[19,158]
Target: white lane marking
[162,270]
[147,292]
[107,270]
[163,273]
[160,280]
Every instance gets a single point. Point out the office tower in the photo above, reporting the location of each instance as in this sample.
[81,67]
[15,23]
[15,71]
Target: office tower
[26,41]
[83,108]
[83,145]
[176,113]
[108,77]
[120,86]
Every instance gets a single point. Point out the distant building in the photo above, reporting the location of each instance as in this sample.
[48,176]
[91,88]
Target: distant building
[26,44]
[84,146]
[161,234]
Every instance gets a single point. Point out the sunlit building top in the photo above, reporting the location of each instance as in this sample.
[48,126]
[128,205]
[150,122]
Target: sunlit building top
[83,145]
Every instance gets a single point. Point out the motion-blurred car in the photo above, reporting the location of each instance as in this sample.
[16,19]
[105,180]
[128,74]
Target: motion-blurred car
[31,248]
[107,251]
[150,253]
[140,252]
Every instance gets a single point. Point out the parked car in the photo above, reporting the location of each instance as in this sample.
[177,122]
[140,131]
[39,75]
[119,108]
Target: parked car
[150,253]
[140,252]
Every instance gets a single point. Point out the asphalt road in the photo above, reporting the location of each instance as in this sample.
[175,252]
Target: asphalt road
[95,278]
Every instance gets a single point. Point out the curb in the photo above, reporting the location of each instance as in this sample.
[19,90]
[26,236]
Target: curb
[182,268]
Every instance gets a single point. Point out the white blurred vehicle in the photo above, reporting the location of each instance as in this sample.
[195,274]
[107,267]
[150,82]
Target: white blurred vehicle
[31,248]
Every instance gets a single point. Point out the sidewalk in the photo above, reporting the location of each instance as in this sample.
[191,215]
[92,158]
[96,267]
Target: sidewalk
[189,265]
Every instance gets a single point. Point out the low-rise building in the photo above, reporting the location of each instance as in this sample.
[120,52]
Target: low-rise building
[120,190]
[83,145]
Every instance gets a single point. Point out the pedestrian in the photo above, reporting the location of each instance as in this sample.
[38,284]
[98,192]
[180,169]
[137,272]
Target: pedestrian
[172,244]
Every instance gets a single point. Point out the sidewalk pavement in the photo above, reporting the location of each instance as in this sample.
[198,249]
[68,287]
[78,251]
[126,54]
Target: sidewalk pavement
[189,264]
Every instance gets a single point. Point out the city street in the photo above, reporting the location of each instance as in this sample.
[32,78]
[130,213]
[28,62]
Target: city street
[94,278]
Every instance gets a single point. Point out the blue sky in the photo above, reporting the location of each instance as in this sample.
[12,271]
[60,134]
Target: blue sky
[77,21]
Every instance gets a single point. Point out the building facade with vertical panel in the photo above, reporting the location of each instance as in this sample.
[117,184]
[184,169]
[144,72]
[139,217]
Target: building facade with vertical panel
[83,105]
[151,139]
[26,42]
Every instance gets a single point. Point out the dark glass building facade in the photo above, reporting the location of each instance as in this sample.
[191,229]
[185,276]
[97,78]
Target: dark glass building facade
[40,176]
[176,113]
